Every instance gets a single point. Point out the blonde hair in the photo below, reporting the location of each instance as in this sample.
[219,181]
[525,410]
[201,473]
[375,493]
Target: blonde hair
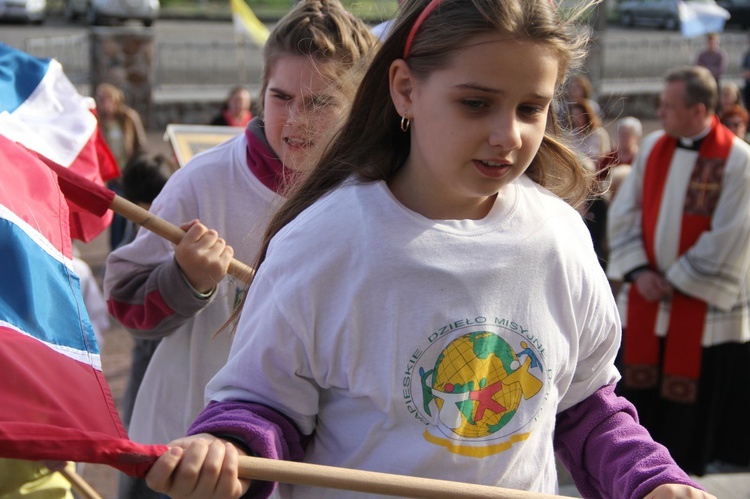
[631,123]
[589,114]
[326,32]
[114,93]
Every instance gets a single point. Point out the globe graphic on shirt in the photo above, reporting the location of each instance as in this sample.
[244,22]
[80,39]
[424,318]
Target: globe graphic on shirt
[473,373]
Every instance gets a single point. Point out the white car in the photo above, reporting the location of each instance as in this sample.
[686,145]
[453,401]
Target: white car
[664,14]
[23,10]
[97,11]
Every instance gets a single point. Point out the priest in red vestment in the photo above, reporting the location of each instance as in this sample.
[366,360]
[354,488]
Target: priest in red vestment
[679,233]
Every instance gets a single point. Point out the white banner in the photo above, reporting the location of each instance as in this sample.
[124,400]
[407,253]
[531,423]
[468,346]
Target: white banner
[698,19]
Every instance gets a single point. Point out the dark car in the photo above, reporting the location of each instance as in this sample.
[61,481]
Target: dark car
[98,10]
[740,11]
[23,10]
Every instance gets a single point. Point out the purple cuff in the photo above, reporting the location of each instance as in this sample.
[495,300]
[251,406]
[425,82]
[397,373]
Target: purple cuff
[608,453]
[262,430]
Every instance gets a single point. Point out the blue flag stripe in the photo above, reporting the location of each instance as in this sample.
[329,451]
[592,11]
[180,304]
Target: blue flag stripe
[52,308]
[20,74]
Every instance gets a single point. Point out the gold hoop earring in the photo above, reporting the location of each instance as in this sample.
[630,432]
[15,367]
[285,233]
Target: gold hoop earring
[405,122]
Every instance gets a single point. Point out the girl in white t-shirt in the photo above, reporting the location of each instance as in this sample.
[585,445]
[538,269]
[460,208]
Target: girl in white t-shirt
[225,196]
[426,303]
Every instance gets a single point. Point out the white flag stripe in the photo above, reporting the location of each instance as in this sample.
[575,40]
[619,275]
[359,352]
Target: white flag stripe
[55,120]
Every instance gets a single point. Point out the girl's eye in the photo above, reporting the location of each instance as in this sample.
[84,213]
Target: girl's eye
[324,101]
[532,110]
[474,104]
[282,97]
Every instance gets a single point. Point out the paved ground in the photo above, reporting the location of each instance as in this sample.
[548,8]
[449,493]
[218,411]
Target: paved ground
[116,363]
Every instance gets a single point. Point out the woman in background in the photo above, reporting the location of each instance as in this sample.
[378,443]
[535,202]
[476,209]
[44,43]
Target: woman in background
[236,109]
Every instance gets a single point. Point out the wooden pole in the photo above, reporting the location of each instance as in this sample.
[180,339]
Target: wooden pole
[239,52]
[168,231]
[273,470]
[80,485]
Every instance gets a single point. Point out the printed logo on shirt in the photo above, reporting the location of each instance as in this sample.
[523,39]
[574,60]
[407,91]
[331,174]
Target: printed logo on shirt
[479,385]
[239,295]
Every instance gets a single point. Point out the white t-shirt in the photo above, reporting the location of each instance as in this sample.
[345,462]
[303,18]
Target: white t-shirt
[439,349]
[218,188]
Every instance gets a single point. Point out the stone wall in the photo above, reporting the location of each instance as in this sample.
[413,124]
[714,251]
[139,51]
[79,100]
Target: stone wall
[642,105]
[124,57]
[198,112]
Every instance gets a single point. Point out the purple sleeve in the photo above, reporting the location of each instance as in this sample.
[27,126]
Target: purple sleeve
[608,453]
[262,431]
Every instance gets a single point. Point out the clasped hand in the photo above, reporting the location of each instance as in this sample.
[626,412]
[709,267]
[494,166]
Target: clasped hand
[652,286]
[203,256]
[198,467]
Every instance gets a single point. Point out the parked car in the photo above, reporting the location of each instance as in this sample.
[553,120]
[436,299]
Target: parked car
[23,10]
[659,13]
[739,10]
[96,11]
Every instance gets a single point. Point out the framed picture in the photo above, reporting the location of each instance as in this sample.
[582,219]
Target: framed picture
[189,140]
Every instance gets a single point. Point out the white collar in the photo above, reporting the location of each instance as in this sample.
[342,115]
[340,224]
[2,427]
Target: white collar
[689,141]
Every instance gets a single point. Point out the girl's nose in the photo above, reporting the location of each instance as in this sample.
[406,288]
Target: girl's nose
[299,112]
[505,134]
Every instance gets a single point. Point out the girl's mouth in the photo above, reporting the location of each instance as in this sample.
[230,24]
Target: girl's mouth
[492,169]
[295,143]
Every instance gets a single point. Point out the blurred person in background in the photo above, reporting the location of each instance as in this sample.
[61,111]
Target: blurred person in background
[123,130]
[678,239]
[144,177]
[93,298]
[589,136]
[612,171]
[729,96]
[121,125]
[592,141]
[736,120]
[236,109]
[627,145]
[581,88]
[713,57]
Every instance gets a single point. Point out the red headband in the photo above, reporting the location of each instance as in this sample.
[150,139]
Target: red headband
[412,33]
[426,12]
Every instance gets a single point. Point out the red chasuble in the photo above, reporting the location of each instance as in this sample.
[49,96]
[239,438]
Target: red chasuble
[681,365]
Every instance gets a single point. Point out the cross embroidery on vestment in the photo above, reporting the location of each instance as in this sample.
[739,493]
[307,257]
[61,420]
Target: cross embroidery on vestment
[705,186]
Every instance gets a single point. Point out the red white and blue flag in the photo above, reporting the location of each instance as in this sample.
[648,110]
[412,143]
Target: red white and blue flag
[56,403]
[41,109]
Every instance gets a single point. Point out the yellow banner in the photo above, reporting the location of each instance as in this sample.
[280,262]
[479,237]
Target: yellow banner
[246,23]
